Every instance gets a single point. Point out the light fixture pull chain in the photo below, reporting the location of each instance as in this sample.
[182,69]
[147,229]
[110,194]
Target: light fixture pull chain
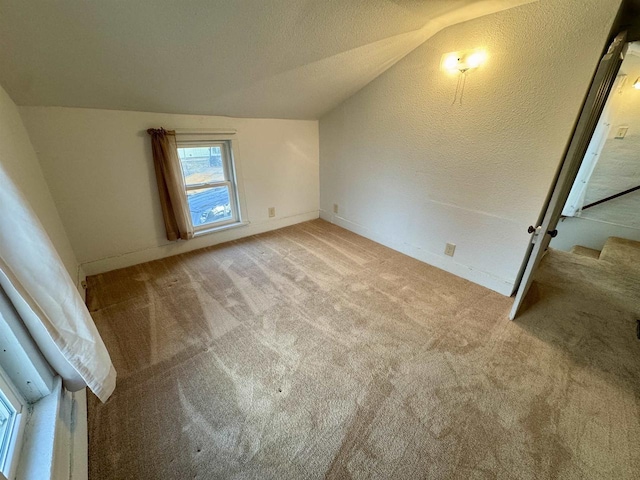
[455,97]
[464,82]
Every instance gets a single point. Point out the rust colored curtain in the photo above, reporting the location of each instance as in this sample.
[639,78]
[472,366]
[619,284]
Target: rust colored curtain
[175,209]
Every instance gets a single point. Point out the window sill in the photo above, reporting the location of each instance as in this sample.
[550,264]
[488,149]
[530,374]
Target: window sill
[220,228]
[55,437]
[38,449]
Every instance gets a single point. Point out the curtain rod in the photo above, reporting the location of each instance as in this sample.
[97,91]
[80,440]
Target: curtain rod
[206,131]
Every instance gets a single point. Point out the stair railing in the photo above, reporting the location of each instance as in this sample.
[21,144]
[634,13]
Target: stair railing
[611,197]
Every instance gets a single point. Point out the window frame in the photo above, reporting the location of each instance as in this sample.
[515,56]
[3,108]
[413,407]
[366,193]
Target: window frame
[230,169]
[10,452]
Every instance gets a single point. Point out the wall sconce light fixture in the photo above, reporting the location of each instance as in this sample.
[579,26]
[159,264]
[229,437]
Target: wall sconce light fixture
[460,63]
[455,62]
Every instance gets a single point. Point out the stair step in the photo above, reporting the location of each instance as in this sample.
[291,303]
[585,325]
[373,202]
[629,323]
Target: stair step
[585,252]
[621,251]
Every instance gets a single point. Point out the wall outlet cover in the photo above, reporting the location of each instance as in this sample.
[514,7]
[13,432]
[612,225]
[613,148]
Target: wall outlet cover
[335,208]
[621,132]
[450,249]
[272,212]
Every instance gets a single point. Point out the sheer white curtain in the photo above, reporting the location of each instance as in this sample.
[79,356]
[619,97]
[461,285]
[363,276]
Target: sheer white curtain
[32,267]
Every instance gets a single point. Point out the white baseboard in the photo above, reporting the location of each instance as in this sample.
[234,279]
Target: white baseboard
[174,248]
[448,265]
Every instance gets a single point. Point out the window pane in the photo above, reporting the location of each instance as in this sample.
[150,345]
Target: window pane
[209,205]
[7,416]
[201,164]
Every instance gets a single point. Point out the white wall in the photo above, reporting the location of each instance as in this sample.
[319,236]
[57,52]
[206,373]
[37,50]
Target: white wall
[627,98]
[617,169]
[589,233]
[19,160]
[99,167]
[410,170]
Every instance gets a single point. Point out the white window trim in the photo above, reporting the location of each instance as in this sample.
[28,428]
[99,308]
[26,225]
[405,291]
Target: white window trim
[219,228]
[9,463]
[229,182]
[192,138]
[51,442]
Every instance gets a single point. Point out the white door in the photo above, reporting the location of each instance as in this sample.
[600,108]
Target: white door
[575,201]
[594,104]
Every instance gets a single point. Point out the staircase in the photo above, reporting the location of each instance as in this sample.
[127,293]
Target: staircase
[619,251]
[585,252]
[610,277]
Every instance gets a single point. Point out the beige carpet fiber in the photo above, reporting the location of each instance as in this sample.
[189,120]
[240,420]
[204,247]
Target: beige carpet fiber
[310,352]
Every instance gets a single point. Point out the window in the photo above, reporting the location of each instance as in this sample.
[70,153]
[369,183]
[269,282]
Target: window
[11,423]
[210,183]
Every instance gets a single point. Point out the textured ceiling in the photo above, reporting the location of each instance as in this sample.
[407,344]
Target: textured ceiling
[246,58]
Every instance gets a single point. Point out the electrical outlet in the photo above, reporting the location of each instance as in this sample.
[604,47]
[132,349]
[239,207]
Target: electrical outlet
[450,249]
[272,211]
[621,132]
[335,208]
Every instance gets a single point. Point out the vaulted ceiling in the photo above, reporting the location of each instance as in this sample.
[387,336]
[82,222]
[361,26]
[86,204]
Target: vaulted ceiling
[247,58]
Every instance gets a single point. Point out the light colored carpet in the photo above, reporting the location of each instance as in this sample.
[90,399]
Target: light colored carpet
[585,251]
[310,352]
[621,251]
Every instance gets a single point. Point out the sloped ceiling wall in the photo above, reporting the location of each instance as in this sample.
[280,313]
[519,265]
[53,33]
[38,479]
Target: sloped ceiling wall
[252,58]
[413,170]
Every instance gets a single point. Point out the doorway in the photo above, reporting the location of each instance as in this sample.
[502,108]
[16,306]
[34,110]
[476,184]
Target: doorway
[588,121]
[605,198]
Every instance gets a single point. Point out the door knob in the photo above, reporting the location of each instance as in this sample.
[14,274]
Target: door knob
[552,233]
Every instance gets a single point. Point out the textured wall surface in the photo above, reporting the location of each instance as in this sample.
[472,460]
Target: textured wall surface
[618,166]
[267,59]
[19,160]
[411,170]
[99,167]
[617,169]
[589,233]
